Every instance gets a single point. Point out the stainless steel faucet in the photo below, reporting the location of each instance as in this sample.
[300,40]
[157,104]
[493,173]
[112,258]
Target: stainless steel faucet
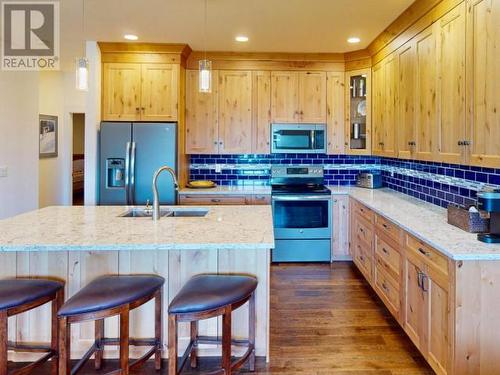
[156,199]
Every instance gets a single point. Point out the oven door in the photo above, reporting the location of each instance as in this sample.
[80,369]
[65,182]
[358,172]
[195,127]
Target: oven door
[298,138]
[302,216]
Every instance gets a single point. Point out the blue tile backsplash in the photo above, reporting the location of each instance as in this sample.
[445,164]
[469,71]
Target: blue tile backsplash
[436,183]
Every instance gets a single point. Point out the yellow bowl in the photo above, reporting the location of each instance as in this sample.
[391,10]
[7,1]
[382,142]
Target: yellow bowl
[200,184]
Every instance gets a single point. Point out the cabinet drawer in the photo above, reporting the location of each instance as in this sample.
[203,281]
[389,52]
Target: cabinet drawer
[388,227]
[213,200]
[430,256]
[261,199]
[364,261]
[388,288]
[363,231]
[363,211]
[388,257]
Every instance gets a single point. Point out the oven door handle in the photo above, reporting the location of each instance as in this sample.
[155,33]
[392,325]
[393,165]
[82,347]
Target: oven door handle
[302,198]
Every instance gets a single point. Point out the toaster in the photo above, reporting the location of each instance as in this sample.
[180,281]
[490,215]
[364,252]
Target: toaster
[369,180]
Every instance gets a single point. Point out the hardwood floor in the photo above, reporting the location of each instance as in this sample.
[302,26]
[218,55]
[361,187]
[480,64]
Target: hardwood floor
[325,320]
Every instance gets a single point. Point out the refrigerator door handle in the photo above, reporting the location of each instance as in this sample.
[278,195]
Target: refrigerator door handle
[127,173]
[132,174]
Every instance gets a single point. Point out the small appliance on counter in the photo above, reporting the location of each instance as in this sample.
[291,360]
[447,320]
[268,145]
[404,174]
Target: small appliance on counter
[302,214]
[468,219]
[369,180]
[489,201]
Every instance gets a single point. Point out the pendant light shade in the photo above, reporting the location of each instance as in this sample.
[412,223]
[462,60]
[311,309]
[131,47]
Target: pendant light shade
[82,74]
[205,78]
[205,66]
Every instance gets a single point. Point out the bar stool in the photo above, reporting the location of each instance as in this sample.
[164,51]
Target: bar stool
[105,297]
[208,296]
[18,296]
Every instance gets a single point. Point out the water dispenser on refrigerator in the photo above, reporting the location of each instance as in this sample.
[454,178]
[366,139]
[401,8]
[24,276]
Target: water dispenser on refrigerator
[115,173]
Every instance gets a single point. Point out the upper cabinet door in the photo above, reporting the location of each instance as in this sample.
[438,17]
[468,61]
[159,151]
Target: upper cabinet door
[389,123]
[201,116]
[235,112]
[261,112]
[159,92]
[451,86]
[335,87]
[121,92]
[406,101]
[483,75]
[425,114]
[284,97]
[312,97]
[378,108]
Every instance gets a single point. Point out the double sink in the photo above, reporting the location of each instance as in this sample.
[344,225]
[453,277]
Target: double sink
[165,212]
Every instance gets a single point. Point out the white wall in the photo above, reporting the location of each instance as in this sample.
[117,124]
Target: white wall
[59,97]
[18,142]
[92,123]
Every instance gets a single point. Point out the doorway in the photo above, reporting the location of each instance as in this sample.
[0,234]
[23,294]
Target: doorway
[78,158]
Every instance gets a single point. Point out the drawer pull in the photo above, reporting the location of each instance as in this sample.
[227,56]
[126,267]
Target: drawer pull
[361,230]
[385,250]
[362,258]
[385,287]
[426,253]
[385,226]
[425,284]
[362,209]
[215,200]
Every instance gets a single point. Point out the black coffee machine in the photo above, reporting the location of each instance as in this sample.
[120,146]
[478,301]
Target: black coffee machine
[490,202]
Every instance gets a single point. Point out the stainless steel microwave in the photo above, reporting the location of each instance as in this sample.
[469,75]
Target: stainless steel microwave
[298,138]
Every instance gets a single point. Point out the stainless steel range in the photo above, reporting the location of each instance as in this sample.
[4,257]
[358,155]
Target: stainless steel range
[302,214]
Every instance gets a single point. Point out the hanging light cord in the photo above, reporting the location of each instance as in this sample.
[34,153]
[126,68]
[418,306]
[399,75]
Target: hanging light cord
[205,33]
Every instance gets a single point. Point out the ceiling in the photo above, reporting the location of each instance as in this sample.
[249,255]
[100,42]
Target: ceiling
[272,25]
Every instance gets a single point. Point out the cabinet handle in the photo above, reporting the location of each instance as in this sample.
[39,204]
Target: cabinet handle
[137,109]
[385,250]
[460,143]
[216,142]
[385,287]
[467,143]
[425,282]
[215,200]
[426,253]
[361,230]
[385,226]
[419,279]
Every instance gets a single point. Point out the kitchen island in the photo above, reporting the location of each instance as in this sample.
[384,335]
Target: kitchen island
[78,244]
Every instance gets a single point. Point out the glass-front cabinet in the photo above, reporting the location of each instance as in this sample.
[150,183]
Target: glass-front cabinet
[358,105]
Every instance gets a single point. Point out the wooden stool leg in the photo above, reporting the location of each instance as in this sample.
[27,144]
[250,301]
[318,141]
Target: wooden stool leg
[172,344]
[64,346]
[4,337]
[124,341]
[54,345]
[99,335]
[158,328]
[226,341]
[251,333]
[194,337]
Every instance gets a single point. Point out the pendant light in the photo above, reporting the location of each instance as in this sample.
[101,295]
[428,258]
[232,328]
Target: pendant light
[205,66]
[81,63]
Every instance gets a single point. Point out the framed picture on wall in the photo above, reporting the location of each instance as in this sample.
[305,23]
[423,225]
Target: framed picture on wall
[48,136]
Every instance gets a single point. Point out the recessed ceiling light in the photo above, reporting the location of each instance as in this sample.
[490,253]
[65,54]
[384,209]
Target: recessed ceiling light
[353,40]
[241,38]
[131,37]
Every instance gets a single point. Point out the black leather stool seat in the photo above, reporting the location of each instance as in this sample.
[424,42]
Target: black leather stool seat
[208,292]
[108,292]
[18,292]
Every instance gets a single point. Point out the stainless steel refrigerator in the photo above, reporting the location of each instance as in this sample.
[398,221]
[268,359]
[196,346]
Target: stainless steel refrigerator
[130,153]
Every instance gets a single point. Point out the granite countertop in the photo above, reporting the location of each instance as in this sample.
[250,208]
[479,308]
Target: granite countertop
[426,222]
[229,190]
[93,228]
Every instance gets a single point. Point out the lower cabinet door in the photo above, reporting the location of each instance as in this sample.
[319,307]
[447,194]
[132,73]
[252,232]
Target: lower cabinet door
[439,353]
[301,251]
[415,314]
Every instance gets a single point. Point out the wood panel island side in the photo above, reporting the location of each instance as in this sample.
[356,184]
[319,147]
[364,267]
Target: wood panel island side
[78,244]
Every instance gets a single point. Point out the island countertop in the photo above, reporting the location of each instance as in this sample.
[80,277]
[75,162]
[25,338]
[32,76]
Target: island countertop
[94,228]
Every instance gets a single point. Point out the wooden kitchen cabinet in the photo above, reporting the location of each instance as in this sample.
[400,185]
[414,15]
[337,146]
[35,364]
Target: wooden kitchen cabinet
[202,130]
[358,104]
[235,111]
[451,87]
[378,117]
[406,101]
[483,76]
[140,92]
[335,87]
[298,97]
[159,92]
[340,235]
[224,199]
[261,112]
[121,92]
